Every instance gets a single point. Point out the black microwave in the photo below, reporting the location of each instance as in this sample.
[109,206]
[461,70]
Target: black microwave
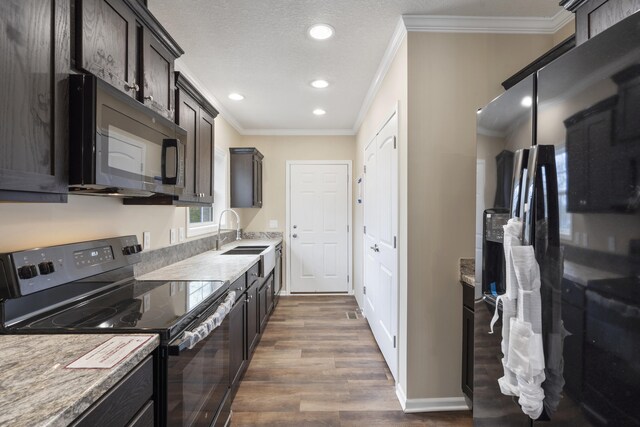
[118,146]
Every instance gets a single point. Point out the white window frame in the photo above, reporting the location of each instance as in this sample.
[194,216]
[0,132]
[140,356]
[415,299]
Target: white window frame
[220,189]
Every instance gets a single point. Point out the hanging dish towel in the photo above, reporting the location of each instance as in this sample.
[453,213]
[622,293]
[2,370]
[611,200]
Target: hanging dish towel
[512,231]
[523,353]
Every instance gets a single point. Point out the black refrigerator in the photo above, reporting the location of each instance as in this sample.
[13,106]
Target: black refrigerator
[574,131]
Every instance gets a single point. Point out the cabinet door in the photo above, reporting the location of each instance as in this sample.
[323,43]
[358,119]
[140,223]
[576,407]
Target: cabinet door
[33,99]
[270,286]
[237,340]
[467,352]
[107,43]
[265,302]
[158,90]
[252,317]
[205,157]
[188,119]
[257,189]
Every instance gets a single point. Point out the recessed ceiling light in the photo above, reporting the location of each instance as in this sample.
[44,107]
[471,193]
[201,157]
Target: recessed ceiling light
[236,96]
[320,84]
[321,31]
[527,101]
[319,112]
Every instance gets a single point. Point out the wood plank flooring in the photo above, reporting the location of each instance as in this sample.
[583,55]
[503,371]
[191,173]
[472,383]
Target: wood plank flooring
[316,367]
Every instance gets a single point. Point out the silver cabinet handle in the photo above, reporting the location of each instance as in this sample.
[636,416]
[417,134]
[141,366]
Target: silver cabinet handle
[149,98]
[294,235]
[133,87]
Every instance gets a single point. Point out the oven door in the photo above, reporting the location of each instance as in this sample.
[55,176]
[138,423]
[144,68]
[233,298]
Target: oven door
[198,378]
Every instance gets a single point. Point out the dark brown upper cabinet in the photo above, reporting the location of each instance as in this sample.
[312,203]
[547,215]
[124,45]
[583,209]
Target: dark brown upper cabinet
[34,99]
[246,177]
[595,16]
[120,42]
[197,116]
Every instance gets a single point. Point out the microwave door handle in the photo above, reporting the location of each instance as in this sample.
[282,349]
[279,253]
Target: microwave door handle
[166,145]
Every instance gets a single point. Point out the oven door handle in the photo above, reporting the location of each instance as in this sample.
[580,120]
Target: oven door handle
[178,158]
[190,338]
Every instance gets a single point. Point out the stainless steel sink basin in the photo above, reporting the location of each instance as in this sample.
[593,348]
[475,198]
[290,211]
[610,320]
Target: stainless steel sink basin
[245,250]
[267,256]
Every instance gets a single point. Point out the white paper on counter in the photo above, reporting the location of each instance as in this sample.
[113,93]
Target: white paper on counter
[110,353]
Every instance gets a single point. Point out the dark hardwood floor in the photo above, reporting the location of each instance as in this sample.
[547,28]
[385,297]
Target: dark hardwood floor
[316,367]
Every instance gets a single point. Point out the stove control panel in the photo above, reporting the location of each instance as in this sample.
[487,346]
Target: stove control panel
[30,271]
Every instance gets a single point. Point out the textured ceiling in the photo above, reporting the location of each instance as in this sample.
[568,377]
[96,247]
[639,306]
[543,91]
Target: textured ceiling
[260,49]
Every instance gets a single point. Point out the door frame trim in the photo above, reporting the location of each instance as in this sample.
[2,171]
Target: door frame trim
[286,290]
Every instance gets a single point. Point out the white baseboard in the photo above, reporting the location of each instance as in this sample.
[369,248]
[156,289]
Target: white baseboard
[436,404]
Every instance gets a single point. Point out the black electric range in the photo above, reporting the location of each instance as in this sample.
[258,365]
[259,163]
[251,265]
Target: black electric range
[89,287]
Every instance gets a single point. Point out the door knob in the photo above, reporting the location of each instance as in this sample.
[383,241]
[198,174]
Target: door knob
[294,236]
[375,248]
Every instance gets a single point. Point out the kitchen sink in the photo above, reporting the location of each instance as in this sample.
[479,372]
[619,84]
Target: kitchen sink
[245,250]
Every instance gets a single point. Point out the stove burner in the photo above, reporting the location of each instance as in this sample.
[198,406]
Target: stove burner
[89,316]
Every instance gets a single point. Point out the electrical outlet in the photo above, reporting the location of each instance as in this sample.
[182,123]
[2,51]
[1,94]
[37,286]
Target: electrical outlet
[173,236]
[273,224]
[181,235]
[146,240]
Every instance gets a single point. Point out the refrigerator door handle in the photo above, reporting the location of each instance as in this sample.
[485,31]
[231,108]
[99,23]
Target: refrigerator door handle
[519,169]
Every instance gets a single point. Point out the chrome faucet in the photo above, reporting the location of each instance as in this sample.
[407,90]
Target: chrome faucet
[238,235]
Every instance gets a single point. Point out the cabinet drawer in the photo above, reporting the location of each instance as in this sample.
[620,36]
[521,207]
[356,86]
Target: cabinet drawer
[253,273]
[144,418]
[239,286]
[123,401]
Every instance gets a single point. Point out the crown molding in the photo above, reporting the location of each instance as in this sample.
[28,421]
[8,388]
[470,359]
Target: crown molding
[298,132]
[487,24]
[394,44]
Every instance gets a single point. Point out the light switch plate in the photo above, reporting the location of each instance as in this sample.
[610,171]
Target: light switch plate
[146,240]
[181,235]
[173,236]
[273,223]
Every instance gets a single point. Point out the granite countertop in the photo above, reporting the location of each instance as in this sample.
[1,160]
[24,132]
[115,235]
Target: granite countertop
[468,271]
[36,388]
[210,265]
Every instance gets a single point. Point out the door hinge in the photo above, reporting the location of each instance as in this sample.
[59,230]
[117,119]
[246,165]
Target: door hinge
[394,341]
[394,242]
[364,290]
[365,168]
[394,142]
[365,229]
[347,278]
[347,228]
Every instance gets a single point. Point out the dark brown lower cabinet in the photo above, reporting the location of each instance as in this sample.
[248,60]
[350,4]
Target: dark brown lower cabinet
[252,316]
[237,341]
[467,340]
[128,403]
[265,301]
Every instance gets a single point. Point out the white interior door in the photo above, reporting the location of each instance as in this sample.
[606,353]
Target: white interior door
[380,239]
[318,221]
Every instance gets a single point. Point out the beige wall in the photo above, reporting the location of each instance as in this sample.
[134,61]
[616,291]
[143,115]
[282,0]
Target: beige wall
[449,77]
[277,150]
[392,93]
[29,225]
[568,30]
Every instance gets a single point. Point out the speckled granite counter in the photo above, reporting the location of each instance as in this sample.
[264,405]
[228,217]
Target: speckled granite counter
[37,390]
[211,265]
[468,271]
